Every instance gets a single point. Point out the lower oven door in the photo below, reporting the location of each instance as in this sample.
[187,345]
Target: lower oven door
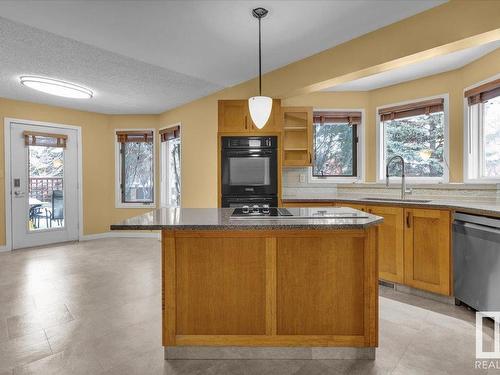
[249,201]
[249,172]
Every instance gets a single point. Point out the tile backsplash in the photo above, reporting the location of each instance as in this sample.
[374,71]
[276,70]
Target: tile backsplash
[296,184]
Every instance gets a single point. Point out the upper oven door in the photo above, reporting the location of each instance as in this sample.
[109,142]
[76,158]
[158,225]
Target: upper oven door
[249,172]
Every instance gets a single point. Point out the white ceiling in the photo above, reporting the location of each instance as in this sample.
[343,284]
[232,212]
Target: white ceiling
[151,56]
[425,68]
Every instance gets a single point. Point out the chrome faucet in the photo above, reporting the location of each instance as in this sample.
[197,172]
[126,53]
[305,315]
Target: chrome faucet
[403,182]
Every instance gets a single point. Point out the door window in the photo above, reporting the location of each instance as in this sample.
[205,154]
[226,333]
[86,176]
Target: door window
[45,187]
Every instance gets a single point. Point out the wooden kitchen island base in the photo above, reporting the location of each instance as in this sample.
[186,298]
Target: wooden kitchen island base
[257,293]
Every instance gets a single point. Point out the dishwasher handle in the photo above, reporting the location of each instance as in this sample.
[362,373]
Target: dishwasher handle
[477,227]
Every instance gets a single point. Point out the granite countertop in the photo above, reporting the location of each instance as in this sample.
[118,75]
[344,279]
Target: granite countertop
[219,219]
[477,206]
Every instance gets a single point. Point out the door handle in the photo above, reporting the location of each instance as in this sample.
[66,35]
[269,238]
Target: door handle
[18,194]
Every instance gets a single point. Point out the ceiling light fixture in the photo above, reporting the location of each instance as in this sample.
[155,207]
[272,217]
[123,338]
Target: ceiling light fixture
[56,87]
[260,106]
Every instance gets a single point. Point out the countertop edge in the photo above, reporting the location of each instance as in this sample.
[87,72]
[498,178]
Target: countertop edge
[431,205]
[262,227]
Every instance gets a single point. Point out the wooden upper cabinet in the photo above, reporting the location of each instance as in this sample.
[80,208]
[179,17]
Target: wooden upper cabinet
[234,117]
[427,250]
[390,242]
[297,136]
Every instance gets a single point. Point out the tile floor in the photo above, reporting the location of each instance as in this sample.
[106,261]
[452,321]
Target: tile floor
[94,308]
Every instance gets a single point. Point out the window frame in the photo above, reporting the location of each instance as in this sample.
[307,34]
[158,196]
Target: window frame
[163,174]
[118,172]
[473,143]
[359,157]
[380,167]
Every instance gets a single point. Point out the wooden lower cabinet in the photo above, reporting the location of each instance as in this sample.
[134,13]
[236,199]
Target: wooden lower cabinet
[390,242]
[414,244]
[427,255]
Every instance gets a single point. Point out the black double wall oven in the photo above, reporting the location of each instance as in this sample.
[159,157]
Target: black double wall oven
[249,171]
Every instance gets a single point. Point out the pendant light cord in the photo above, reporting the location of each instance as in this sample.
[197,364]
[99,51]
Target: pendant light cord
[260,63]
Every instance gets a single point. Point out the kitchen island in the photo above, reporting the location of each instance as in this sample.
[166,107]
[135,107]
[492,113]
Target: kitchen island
[266,287]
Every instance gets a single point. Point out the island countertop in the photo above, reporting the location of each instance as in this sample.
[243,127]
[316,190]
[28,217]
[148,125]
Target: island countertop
[220,219]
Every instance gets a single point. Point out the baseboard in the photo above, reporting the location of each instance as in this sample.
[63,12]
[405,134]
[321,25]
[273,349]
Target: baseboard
[120,234]
[4,248]
[418,292]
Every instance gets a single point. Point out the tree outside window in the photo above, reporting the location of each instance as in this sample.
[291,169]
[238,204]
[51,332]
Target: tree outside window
[420,141]
[334,150]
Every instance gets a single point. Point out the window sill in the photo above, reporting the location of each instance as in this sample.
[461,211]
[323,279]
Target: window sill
[334,180]
[135,205]
[482,181]
[415,181]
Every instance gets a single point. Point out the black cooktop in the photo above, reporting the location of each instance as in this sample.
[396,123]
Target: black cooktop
[260,211]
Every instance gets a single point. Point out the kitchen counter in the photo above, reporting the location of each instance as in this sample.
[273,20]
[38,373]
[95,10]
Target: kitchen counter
[219,219]
[280,288]
[484,207]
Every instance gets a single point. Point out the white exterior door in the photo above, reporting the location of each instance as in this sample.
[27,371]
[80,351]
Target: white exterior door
[44,185]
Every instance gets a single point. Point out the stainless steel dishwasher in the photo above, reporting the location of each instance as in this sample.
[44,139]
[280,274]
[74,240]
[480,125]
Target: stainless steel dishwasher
[476,261]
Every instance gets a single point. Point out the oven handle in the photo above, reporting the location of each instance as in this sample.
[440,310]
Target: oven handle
[249,153]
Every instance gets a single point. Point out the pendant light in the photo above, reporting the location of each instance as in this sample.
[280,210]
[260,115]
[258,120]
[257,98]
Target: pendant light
[260,106]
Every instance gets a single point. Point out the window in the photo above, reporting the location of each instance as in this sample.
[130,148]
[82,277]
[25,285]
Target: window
[415,131]
[483,132]
[335,144]
[171,166]
[136,168]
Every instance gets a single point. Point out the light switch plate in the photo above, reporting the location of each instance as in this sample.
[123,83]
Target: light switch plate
[302,178]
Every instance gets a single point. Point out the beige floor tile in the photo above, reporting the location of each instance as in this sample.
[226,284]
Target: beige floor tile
[23,350]
[22,325]
[4,333]
[25,324]
[77,360]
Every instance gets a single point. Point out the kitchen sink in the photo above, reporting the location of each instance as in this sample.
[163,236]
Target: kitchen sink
[397,200]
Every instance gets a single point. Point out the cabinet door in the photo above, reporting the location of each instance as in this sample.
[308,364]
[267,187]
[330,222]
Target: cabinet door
[234,116]
[390,242]
[427,250]
[297,136]
[274,124]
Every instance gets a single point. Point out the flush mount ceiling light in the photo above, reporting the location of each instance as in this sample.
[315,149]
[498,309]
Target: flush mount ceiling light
[260,106]
[56,87]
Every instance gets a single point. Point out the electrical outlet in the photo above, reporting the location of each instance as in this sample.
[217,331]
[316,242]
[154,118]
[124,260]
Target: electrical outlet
[302,178]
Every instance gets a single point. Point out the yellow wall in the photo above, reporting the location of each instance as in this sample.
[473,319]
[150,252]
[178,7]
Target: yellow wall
[97,158]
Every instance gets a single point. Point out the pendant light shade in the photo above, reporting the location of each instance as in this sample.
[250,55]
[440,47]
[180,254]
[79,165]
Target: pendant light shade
[260,107]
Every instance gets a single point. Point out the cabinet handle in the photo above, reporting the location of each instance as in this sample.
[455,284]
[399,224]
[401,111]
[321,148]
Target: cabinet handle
[408,219]
[246,125]
[310,158]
